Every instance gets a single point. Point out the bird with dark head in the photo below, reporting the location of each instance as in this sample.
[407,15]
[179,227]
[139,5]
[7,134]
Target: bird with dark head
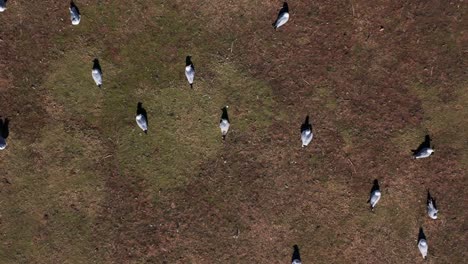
[224,122]
[375,195]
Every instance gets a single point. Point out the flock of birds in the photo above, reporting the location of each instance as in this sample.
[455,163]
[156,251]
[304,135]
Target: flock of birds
[424,150]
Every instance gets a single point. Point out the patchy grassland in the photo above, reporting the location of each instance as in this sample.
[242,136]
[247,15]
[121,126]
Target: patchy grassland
[82,184]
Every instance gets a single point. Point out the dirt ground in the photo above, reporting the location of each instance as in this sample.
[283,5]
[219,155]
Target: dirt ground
[80,184]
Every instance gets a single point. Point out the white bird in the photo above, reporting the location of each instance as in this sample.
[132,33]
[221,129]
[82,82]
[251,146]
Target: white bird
[97,73]
[296,257]
[423,153]
[141,122]
[189,70]
[431,206]
[224,122]
[2,5]
[74,14]
[306,132]
[283,16]
[375,195]
[422,243]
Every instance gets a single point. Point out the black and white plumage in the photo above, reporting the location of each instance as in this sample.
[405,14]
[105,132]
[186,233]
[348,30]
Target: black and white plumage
[306,132]
[2,5]
[96,72]
[283,16]
[375,195]
[224,122]
[189,70]
[296,257]
[75,15]
[3,133]
[424,150]
[431,206]
[422,243]
[142,118]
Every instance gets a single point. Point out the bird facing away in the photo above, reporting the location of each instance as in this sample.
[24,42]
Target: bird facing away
[424,150]
[431,206]
[224,122]
[296,257]
[422,243]
[2,5]
[374,195]
[189,70]
[96,72]
[306,132]
[74,14]
[283,16]
[141,121]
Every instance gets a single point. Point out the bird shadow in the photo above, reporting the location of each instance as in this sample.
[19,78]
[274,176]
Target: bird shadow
[72,5]
[421,234]
[4,130]
[375,186]
[188,61]
[97,65]
[142,111]
[225,115]
[425,144]
[306,125]
[296,255]
[430,198]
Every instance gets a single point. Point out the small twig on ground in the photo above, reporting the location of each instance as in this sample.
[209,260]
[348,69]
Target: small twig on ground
[352,164]
[352,8]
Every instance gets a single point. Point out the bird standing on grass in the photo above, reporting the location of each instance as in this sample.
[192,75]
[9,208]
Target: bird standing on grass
[375,195]
[431,206]
[422,243]
[306,132]
[283,16]
[141,121]
[2,5]
[141,118]
[96,72]
[74,14]
[424,150]
[189,70]
[224,122]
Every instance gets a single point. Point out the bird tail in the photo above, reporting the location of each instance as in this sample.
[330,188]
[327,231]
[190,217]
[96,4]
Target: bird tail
[146,131]
[99,85]
[191,85]
[224,137]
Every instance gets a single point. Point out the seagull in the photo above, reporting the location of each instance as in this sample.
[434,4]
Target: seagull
[74,14]
[141,122]
[97,73]
[296,257]
[374,195]
[2,5]
[224,122]
[189,70]
[422,243]
[423,153]
[283,16]
[431,206]
[306,132]
[424,150]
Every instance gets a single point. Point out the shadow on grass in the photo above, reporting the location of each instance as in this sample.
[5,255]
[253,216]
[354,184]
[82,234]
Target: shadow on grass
[306,125]
[4,130]
[296,256]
